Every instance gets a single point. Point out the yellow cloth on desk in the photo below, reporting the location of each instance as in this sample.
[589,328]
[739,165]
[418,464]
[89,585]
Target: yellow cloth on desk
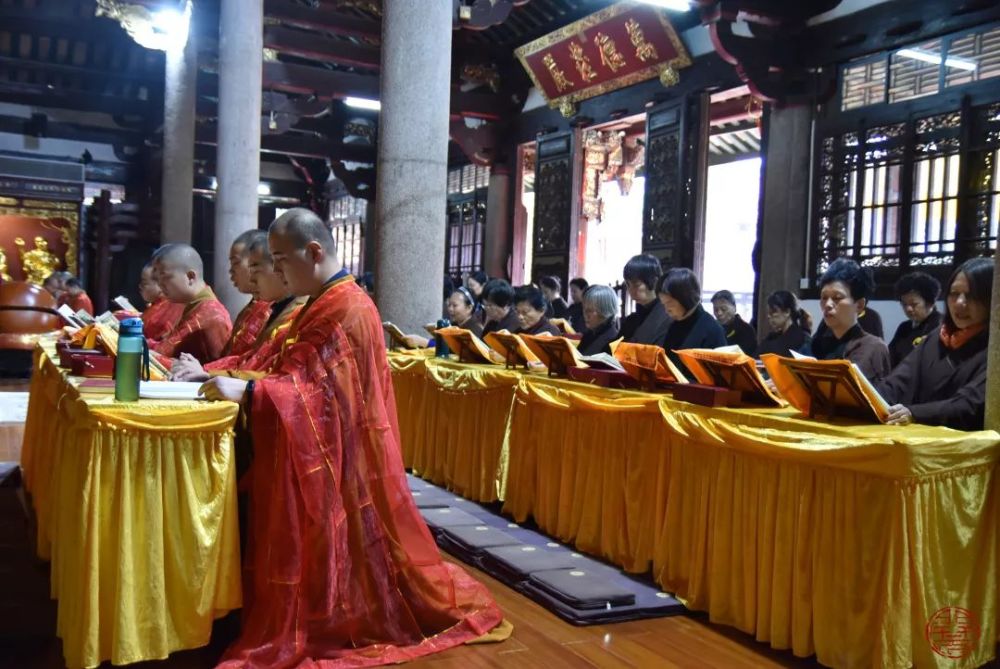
[136,510]
[838,539]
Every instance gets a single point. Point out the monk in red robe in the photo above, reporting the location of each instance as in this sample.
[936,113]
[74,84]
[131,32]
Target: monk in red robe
[252,318]
[267,287]
[161,315]
[340,569]
[204,325]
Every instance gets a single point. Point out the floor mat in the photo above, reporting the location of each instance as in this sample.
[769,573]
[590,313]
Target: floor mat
[577,588]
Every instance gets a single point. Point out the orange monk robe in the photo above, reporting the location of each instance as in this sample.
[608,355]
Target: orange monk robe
[202,330]
[79,302]
[248,324]
[159,318]
[262,355]
[340,569]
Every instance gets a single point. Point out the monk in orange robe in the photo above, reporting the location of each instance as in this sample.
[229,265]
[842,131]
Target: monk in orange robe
[252,318]
[268,287]
[161,315]
[340,569]
[204,325]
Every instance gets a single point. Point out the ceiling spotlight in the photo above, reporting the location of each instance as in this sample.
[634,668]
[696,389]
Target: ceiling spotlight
[673,5]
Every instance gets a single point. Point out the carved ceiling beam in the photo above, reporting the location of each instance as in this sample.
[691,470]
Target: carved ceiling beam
[320,48]
[292,14]
[40,95]
[298,145]
[479,144]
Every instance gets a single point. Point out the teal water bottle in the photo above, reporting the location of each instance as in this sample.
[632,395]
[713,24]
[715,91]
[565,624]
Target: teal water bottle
[441,349]
[132,361]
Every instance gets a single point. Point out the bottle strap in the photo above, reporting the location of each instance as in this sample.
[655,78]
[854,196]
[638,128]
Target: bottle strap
[145,360]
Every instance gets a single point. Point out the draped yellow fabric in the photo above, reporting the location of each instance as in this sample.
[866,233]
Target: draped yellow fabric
[838,539]
[136,510]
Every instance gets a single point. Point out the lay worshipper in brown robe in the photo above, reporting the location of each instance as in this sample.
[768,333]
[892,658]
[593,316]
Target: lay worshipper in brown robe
[161,315]
[252,318]
[204,325]
[268,287]
[340,569]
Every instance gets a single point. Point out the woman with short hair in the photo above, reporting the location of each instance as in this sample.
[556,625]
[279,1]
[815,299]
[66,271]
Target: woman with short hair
[648,323]
[462,311]
[577,287]
[844,292]
[917,293]
[530,305]
[552,290]
[498,307]
[789,325]
[943,381]
[600,313]
[691,326]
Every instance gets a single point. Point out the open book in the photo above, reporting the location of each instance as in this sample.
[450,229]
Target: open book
[124,304]
[396,335]
[733,370]
[169,390]
[559,355]
[98,333]
[512,349]
[826,387]
[648,363]
[70,316]
[468,346]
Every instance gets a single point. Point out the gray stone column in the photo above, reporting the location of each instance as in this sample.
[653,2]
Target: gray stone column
[412,160]
[180,92]
[786,204]
[993,355]
[497,241]
[238,153]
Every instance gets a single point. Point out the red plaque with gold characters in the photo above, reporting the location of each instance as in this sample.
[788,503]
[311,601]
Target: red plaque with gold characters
[614,48]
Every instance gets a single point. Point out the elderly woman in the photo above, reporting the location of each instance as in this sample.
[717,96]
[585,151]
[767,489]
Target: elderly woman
[943,381]
[461,308]
[530,305]
[789,325]
[498,307]
[691,326]
[600,315]
[844,290]
[917,294]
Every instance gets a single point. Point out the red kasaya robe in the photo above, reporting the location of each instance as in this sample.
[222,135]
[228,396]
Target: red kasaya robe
[340,569]
[202,330]
[79,302]
[159,318]
[264,352]
[247,326]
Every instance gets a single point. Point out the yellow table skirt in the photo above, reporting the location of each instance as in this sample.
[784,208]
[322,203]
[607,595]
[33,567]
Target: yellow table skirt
[835,539]
[136,510]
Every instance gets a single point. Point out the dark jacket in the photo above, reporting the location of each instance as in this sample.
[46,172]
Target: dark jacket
[940,386]
[699,330]
[795,338]
[908,336]
[865,350]
[473,325]
[647,325]
[575,316]
[541,326]
[597,340]
[557,308]
[740,333]
[508,323]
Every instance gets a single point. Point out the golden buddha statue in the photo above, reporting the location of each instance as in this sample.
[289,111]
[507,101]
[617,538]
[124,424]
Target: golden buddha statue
[37,263]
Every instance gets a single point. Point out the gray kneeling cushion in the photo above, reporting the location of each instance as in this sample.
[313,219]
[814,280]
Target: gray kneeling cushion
[582,589]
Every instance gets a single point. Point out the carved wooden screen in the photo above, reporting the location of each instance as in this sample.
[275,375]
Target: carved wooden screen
[672,221]
[554,208]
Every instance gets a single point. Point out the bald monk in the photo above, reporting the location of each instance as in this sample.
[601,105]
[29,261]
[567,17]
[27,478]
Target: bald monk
[251,319]
[161,315]
[204,325]
[340,569]
[269,287]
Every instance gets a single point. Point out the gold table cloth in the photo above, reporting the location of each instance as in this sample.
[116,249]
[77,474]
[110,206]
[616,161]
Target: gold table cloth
[839,540]
[136,511]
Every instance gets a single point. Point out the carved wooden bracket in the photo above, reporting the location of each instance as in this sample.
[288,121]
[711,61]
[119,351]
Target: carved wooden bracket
[479,144]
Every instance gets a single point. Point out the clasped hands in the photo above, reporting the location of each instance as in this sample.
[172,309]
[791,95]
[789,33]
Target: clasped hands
[219,388]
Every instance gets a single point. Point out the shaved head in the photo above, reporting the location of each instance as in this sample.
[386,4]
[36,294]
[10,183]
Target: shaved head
[301,226]
[246,237]
[180,256]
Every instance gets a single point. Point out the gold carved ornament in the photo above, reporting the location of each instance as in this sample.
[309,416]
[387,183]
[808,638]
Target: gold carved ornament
[643,50]
[46,210]
[4,270]
[582,62]
[558,76]
[611,57]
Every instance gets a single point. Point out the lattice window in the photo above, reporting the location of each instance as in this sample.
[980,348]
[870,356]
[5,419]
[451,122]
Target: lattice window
[466,216]
[863,84]
[915,72]
[973,57]
[347,219]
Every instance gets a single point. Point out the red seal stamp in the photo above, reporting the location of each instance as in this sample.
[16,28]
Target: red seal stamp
[952,632]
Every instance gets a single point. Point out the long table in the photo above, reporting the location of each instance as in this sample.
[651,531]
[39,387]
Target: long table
[866,545]
[136,510]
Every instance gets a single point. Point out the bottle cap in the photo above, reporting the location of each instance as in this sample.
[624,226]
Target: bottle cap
[130,326]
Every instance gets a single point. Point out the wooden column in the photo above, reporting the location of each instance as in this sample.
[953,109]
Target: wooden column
[993,356]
